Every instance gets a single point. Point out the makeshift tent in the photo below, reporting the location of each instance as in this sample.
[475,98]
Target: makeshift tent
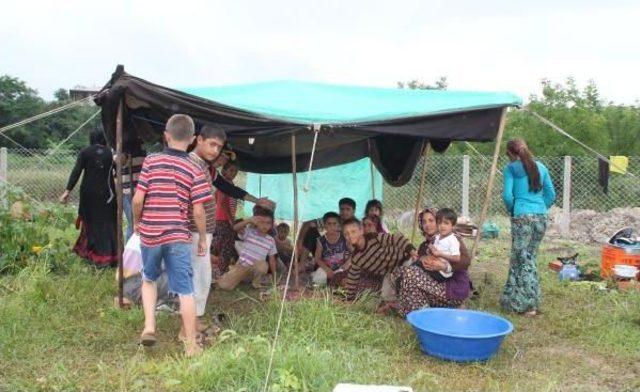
[282,126]
[387,125]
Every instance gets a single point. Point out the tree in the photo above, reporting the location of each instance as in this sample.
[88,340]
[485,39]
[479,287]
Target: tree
[607,128]
[62,95]
[415,84]
[18,102]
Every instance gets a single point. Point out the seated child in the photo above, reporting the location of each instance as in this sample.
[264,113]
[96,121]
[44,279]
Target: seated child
[370,224]
[258,244]
[331,250]
[446,246]
[283,243]
[132,274]
[374,208]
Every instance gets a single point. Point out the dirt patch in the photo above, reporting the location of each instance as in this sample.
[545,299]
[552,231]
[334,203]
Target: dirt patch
[585,370]
[592,226]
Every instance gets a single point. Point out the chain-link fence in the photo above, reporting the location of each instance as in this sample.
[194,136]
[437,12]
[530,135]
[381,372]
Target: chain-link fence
[43,175]
[445,177]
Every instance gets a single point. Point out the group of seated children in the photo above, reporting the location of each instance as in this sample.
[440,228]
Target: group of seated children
[263,250]
[332,250]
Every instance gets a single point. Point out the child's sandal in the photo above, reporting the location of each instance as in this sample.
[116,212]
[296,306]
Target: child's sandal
[148,339]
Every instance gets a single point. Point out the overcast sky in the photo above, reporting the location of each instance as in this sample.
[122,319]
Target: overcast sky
[478,45]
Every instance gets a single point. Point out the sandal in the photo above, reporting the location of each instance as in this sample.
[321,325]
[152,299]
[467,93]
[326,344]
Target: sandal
[148,339]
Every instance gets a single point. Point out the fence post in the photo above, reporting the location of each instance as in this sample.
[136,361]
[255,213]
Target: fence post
[465,185]
[3,177]
[566,197]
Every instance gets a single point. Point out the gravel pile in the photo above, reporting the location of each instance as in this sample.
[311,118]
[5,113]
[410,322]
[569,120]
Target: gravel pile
[593,226]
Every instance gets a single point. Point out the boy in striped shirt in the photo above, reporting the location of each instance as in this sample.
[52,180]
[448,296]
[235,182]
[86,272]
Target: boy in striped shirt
[378,254]
[208,147]
[169,184]
[258,245]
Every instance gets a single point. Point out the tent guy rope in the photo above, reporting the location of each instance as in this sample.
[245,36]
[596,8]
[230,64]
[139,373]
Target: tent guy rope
[293,260]
[316,130]
[45,114]
[72,134]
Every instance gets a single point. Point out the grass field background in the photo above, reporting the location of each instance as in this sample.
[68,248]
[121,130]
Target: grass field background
[61,332]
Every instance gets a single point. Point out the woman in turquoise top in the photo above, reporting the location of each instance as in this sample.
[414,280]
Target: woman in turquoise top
[528,193]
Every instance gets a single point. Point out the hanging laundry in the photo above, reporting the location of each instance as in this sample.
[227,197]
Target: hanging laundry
[603,175]
[619,164]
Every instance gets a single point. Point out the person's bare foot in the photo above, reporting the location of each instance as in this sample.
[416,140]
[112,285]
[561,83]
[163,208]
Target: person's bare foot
[531,313]
[201,326]
[126,304]
[192,349]
[387,307]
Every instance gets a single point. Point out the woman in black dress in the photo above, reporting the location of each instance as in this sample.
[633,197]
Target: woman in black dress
[97,210]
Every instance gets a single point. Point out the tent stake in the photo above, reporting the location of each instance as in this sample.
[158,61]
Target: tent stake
[416,212]
[295,208]
[492,175]
[118,182]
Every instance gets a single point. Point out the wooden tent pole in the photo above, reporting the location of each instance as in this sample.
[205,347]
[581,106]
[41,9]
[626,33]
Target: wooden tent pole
[131,188]
[295,207]
[492,175]
[373,180]
[416,212]
[118,182]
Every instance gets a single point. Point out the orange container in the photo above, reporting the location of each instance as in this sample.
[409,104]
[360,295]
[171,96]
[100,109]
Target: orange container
[612,255]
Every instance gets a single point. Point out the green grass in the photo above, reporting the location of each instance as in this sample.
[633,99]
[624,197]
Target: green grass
[60,332]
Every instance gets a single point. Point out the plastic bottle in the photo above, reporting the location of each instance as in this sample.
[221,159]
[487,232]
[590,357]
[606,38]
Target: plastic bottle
[569,272]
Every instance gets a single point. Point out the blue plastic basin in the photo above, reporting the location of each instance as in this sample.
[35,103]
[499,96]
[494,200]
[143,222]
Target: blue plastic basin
[459,335]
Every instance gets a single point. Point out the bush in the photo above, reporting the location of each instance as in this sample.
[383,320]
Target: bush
[32,234]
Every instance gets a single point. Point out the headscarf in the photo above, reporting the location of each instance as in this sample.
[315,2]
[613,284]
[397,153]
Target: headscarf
[429,210]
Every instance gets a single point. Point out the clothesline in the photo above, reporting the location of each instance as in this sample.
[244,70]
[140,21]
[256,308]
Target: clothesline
[583,145]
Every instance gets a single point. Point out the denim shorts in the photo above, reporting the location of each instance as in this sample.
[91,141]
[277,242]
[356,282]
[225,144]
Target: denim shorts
[177,263]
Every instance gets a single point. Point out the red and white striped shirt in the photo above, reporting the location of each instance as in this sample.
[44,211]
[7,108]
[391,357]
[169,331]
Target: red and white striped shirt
[171,182]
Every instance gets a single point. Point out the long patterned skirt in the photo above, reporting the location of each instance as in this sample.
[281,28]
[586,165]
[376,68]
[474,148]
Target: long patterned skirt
[223,246]
[417,290]
[522,290]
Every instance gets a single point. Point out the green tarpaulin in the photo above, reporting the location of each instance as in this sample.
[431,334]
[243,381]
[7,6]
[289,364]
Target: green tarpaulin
[327,186]
[305,102]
